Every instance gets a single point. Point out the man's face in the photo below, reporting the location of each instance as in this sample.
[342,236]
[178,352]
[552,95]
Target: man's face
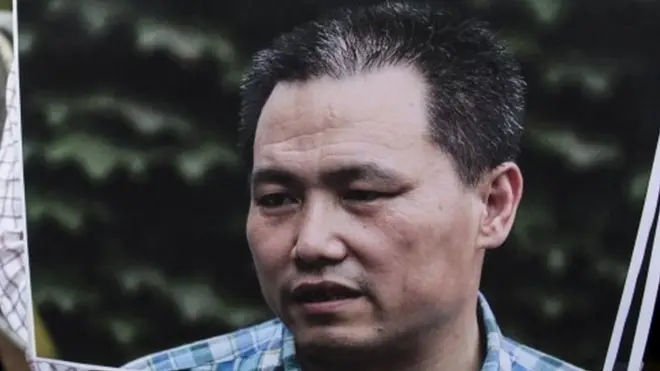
[359,226]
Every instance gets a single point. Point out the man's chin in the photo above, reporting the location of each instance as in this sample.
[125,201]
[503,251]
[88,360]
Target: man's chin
[336,339]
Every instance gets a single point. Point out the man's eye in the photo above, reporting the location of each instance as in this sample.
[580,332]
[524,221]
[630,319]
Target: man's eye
[363,195]
[275,200]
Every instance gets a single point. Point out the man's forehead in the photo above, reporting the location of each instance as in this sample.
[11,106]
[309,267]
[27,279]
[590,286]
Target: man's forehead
[393,98]
[317,126]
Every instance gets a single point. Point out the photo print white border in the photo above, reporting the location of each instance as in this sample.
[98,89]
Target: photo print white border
[16,308]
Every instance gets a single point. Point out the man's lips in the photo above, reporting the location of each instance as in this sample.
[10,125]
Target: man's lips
[323,291]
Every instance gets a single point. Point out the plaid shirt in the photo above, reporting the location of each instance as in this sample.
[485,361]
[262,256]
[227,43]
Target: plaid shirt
[269,346]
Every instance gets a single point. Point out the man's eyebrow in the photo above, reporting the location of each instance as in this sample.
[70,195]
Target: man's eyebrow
[367,171]
[274,175]
[338,176]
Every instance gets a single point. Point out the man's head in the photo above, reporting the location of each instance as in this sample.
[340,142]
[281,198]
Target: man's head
[381,143]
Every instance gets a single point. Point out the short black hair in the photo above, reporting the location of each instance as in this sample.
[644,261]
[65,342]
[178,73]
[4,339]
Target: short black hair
[475,87]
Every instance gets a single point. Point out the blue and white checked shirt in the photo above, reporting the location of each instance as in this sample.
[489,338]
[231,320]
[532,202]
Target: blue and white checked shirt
[269,347]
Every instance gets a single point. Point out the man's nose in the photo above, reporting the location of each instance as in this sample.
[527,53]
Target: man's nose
[318,242]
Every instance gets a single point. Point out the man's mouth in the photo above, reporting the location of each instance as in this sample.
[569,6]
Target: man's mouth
[321,292]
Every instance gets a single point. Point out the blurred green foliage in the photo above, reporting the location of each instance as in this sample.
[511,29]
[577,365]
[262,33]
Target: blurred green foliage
[136,200]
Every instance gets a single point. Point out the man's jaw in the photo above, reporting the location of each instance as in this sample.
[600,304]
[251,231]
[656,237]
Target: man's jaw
[453,346]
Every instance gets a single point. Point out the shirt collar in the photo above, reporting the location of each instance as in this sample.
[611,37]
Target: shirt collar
[496,359]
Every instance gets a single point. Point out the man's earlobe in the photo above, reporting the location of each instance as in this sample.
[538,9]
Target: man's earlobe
[501,192]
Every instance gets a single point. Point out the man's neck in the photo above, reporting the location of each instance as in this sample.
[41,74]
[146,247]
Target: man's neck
[451,348]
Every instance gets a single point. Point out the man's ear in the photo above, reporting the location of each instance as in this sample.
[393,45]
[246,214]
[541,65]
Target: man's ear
[500,192]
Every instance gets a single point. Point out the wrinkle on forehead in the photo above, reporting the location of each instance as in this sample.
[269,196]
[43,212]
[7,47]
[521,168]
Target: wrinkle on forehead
[331,139]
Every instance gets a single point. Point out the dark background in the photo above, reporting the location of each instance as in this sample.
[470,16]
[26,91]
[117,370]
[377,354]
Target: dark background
[136,200]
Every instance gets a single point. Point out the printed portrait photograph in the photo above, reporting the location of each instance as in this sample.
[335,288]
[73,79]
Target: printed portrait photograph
[326,185]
